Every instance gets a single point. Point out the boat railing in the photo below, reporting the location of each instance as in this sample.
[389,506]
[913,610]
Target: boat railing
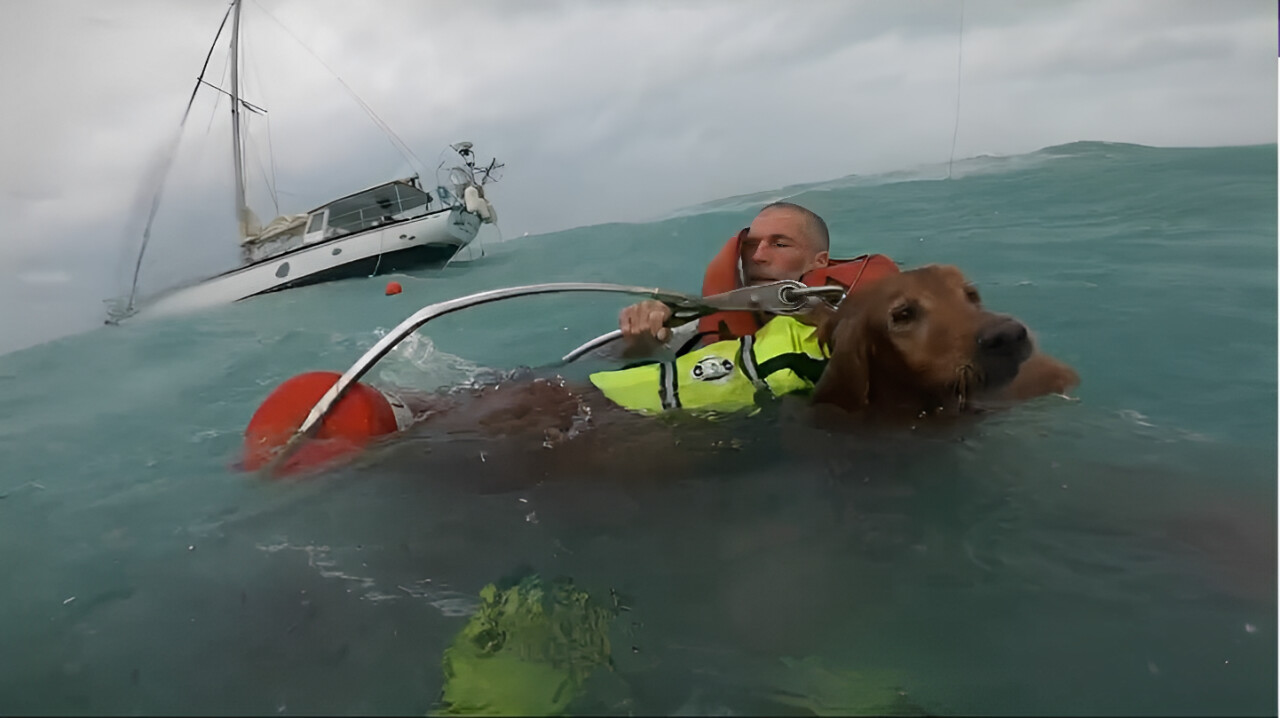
[369,216]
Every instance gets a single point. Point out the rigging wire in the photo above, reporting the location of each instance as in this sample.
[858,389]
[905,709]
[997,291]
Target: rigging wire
[395,140]
[268,177]
[959,65]
[271,157]
[155,202]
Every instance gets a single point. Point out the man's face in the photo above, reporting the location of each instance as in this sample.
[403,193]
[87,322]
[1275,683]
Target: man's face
[777,246]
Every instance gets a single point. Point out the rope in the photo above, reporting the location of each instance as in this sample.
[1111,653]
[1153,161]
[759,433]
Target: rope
[382,237]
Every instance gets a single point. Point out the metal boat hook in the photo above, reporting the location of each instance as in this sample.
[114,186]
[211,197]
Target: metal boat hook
[785,297]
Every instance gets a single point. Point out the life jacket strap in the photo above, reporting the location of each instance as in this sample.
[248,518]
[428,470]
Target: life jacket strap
[806,367]
[669,387]
[747,361]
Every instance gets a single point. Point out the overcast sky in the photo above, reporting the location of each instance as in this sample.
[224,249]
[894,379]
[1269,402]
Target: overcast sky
[603,111]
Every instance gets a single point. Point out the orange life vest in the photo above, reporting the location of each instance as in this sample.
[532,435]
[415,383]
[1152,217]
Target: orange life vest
[723,275]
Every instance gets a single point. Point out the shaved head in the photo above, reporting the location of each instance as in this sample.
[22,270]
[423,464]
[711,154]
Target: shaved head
[815,227]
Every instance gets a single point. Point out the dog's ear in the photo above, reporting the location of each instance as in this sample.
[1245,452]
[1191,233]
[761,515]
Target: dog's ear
[846,382]
[822,316]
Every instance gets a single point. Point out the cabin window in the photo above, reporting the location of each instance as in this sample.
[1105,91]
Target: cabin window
[392,202]
[317,221]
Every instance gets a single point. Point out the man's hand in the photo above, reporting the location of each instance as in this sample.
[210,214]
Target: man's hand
[642,324]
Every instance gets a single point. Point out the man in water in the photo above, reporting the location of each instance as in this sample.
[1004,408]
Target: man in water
[784,241]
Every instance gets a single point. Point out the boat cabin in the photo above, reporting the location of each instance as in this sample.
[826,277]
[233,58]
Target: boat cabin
[385,204]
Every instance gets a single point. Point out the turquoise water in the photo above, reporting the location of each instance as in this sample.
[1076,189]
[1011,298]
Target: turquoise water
[1111,555]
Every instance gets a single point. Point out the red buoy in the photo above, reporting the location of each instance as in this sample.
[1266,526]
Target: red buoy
[394,288]
[360,416]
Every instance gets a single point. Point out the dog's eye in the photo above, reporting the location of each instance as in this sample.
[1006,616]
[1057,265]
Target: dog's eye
[902,314]
[972,295]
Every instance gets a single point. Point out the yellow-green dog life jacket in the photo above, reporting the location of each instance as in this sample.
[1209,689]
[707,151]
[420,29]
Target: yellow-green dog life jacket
[783,357]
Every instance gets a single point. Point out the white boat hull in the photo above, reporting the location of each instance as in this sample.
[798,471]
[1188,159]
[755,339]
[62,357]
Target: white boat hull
[425,241]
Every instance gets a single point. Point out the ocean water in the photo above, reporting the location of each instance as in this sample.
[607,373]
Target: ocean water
[1110,555]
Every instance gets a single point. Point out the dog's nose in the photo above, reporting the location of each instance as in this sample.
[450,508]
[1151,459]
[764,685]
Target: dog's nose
[1003,336]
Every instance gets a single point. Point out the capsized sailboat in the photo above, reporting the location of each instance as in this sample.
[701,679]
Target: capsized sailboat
[391,227]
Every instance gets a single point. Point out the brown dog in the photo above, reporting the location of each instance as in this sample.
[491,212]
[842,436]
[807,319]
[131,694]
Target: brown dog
[912,344]
[921,343]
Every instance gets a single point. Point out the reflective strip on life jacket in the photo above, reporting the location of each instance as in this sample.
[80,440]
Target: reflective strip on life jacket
[782,358]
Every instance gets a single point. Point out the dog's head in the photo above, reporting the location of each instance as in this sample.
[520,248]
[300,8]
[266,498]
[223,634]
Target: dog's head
[919,341]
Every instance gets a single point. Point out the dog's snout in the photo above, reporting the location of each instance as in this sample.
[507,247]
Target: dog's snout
[1003,336]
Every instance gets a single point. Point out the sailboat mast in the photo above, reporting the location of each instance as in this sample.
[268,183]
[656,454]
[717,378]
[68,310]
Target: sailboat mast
[237,147]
